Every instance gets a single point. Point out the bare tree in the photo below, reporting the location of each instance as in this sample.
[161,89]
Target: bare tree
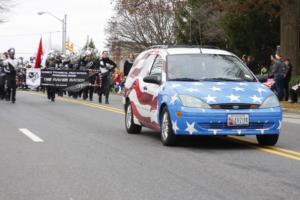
[199,22]
[140,24]
[4,7]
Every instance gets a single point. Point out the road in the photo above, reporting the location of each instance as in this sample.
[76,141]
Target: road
[77,150]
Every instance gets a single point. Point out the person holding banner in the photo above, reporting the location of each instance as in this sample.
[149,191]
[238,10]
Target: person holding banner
[11,71]
[107,66]
[91,62]
[51,65]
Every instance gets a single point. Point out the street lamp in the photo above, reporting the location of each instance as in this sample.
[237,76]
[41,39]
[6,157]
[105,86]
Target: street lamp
[64,28]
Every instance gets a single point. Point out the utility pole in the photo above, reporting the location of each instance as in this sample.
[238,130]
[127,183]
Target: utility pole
[64,28]
[64,34]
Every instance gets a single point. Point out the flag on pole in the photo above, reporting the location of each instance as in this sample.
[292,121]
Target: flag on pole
[69,46]
[39,55]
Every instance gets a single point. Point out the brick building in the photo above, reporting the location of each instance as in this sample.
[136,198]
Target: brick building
[120,51]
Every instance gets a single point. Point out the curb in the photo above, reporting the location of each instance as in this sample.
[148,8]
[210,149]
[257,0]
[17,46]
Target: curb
[287,110]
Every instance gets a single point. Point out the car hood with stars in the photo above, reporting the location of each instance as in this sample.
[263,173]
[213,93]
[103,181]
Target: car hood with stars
[223,92]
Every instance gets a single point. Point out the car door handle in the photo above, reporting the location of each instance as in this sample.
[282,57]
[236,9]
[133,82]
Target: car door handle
[145,88]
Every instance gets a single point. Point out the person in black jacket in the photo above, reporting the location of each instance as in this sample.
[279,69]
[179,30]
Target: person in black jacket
[11,71]
[91,62]
[107,66]
[288,77]
[278,73]
[128,64]
[51,64]
[252,65]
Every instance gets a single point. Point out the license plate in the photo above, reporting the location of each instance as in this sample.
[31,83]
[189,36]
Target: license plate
[238,120]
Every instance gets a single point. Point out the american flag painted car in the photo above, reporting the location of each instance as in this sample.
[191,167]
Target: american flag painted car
[198,91]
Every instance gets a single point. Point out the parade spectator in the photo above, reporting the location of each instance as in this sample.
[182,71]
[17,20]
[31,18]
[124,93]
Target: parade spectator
[244,59]
[288,77]
[128,64]
[252,65]
[117,78]
[107,66]
[278,73]
[295,90]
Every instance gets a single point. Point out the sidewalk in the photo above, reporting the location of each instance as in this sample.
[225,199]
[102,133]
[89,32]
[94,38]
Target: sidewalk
[291,107]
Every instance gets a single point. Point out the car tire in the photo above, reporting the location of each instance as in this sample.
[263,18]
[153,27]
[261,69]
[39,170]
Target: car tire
[131,127]
[168,138]
[269,140]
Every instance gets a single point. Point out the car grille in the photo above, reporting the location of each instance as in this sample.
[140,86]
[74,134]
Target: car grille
[235,106]
[252,125]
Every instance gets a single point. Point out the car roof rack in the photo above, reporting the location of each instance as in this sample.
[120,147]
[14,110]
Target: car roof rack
[158,47]
[183,46]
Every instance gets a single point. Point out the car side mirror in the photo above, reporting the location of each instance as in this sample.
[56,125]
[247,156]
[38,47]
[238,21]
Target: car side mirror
[152,79]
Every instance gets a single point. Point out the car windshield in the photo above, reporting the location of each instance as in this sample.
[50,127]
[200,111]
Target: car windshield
[206,67]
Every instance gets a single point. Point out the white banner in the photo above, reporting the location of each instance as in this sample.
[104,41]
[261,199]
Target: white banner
[33,77]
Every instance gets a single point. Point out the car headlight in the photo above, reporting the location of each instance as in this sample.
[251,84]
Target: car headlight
[270,102]
[189,101]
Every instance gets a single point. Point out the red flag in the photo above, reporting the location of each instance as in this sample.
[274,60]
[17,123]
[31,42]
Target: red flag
[39,54]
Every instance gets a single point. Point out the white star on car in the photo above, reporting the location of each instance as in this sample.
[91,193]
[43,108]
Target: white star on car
[215,89]
[164,99]
[239,89]
[191,90]
[256,99]
[173,99]
[197,84]
[220,83]
[175,85]
[243,84]
[234,98]
[210,99]
[174,126]
[191,128]
[260,90]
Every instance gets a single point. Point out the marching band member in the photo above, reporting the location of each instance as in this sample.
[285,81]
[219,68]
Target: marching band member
[11,70]
[107,66]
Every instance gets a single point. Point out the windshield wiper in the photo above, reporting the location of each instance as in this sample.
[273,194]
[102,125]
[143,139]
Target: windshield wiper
[221,79]
[184,79]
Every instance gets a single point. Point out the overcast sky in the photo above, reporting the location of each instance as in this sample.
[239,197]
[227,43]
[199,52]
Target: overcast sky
[24,27]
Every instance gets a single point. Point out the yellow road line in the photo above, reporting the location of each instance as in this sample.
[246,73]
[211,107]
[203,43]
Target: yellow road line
[294,155]
[112,109]
[93,105]
[278,153]
[253,142]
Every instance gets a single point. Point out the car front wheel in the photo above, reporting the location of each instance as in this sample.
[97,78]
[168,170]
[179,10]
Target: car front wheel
[131,127]
[168,138]
[268,140]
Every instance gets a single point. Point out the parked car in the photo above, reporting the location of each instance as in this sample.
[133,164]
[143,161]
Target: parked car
[198,91]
